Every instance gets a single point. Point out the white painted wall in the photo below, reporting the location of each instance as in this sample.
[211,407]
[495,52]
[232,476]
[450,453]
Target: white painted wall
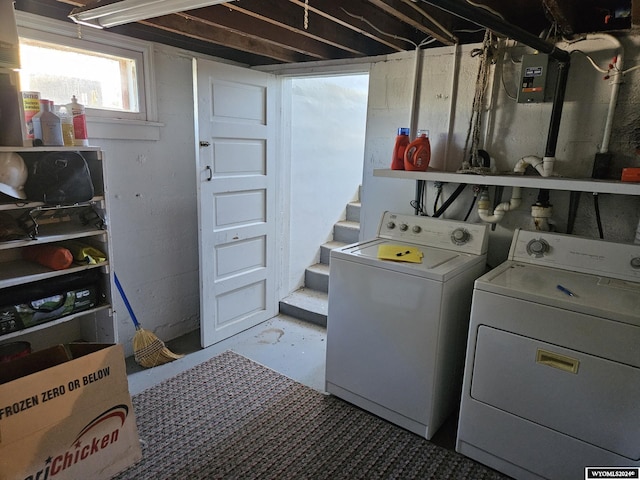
[518,130]
[328,119]
[152,191]
[152,195]
[152,183]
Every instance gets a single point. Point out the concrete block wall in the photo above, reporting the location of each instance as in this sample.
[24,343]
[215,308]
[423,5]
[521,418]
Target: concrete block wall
[152,195]
[515,130]
[152,190]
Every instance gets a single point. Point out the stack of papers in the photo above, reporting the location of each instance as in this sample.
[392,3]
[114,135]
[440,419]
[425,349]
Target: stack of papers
[400,253]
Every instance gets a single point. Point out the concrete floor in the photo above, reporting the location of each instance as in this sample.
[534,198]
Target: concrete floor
[292,347]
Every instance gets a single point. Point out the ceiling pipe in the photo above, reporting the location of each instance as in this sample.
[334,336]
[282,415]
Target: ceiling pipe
[486,19]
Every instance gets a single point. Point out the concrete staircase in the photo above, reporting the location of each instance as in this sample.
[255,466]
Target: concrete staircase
[310,303]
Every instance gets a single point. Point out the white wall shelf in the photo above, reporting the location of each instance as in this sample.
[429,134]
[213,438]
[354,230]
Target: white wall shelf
[515,180]
[29,204]
[58,321]
[46,149]
[18,272]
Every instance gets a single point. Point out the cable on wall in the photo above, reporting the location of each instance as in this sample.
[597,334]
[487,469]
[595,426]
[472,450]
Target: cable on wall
[470,162]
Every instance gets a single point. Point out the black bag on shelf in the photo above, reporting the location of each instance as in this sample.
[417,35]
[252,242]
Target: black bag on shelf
[58,178]
[23,306]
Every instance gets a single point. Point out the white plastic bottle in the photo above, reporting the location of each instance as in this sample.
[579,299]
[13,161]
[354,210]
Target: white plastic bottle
[79,122]
[47,127]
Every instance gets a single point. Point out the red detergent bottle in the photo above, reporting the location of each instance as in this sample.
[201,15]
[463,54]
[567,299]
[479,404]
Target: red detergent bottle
[418,153]
[402,141]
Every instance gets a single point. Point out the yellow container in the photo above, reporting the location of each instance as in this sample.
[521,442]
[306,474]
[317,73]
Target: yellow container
[31,106]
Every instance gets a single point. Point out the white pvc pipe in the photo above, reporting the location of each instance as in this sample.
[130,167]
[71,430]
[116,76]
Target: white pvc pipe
[535,162]
[613,100]
[544,166]
[615,84]
[501,209]
[415,100]
[453,95]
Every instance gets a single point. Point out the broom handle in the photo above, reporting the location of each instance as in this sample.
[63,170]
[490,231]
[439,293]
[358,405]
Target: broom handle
[126,302]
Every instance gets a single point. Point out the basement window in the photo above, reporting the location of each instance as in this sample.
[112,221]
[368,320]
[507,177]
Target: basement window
[108,74]
[100,81]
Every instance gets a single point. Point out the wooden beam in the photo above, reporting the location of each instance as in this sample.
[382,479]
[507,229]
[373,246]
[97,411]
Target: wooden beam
[563,14]
[347,15]
[435,18]
[400,10]
[185,25]
[232,18]
[320,29]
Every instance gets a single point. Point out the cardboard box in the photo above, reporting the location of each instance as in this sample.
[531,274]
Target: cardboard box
[66,413]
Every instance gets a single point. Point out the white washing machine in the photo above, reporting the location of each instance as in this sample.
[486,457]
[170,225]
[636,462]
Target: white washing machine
[552,376]
[396,331]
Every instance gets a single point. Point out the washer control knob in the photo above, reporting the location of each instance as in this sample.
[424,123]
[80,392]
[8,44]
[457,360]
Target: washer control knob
[391,225]
[537,247]
[416,229]
[635,262]
[403,227]
[460,236]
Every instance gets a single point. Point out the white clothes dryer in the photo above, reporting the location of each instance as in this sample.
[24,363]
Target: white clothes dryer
[552,376]
[396,331]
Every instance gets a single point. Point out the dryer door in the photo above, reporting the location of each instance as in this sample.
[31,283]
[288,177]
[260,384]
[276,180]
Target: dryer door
[589,398]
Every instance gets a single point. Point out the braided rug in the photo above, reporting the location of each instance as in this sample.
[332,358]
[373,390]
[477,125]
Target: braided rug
[231,418]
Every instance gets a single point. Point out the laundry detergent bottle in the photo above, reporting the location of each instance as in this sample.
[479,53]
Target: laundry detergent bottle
[402,140]
[418,153]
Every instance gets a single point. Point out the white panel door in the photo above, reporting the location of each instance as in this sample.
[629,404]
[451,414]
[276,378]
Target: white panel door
[236,124]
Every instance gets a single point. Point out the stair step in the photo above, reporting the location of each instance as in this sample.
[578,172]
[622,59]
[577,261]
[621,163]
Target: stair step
[306,305]
[316,277]
[353,211]
[346,231]
[325,250]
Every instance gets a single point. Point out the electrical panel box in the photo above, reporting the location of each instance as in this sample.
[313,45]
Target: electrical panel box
[534,79]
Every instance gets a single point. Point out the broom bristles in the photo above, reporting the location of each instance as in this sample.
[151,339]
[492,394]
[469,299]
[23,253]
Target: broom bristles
[149,351]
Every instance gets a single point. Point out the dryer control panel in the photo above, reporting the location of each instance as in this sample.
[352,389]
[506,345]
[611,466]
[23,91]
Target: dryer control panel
[435,232]
[579,254]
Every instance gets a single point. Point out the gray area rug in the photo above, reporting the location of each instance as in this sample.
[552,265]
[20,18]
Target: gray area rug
[231,418]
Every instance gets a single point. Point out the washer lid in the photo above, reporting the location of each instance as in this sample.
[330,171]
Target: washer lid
[592,294]
[437,263]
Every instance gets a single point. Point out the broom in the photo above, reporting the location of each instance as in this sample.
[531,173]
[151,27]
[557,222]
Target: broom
[148,350]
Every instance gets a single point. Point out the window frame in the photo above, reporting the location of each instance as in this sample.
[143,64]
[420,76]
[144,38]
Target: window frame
[48,30]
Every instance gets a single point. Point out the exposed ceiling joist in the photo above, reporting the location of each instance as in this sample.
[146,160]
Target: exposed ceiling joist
[279,14]
[262,32]
[412,17]
[201,29]
[350,16]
